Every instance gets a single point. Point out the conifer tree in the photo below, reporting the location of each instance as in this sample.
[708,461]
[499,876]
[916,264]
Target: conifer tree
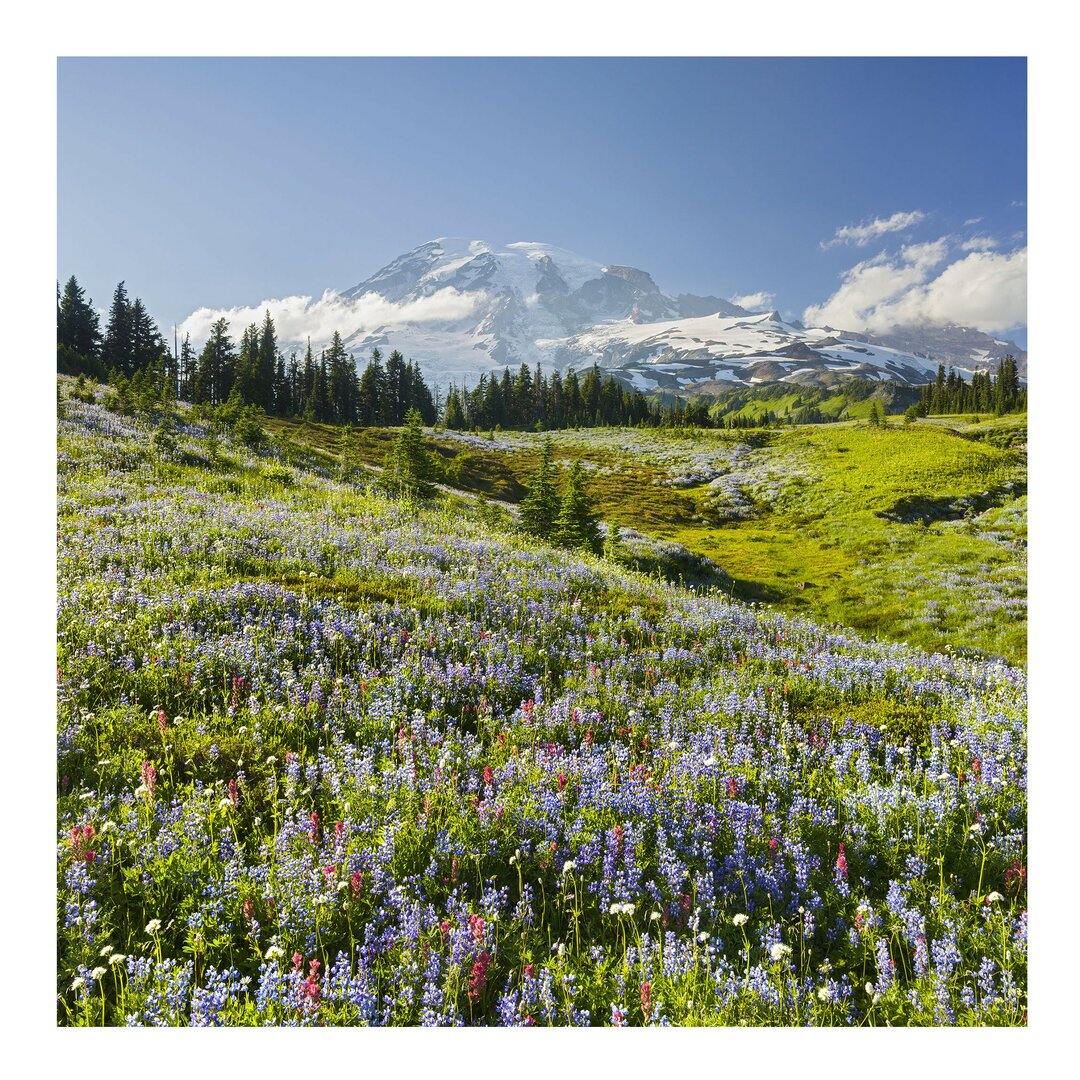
[147,344]
[117,352]
[188,366]
[247,365]
[453,416]
[268,365]
[77,323]
[342,386]
[410,468]
[216,370]
[540,506]
[350,460]
[575,525]
[371,392]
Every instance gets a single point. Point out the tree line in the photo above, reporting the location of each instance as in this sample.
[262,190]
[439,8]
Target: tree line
[998,393]
[328,388]
[532,401]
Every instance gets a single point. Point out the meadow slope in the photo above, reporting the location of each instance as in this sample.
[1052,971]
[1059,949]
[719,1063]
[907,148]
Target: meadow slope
[912,533]
[324,758]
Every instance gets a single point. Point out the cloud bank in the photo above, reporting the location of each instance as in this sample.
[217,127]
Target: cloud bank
[758,301]
[861,235]
[919,286]
[299,317]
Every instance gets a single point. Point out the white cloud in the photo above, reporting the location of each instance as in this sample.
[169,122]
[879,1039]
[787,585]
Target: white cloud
[861,235]
[973,221]
[298,317]
[980,243]
[983,289]
[758,301]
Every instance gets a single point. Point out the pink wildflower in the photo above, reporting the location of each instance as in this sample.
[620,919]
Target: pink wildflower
[149,778]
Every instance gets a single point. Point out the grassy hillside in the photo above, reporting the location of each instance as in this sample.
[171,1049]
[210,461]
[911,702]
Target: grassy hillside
[885,530]
[324,758]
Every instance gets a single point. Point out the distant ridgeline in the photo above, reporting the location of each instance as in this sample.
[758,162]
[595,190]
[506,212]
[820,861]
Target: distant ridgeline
[134,357]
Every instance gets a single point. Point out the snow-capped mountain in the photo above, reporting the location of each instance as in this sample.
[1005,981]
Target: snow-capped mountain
[463,307]
[959,346]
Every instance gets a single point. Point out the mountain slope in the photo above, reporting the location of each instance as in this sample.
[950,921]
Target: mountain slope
[463,307]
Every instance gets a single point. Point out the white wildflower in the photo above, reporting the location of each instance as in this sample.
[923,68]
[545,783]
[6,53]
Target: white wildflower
[569,866]
[779,951]
[994,897]
[869,988]
[271,759]
[275,952]
[741,920]
[703,936]
[97,973]
[654,916]
[225,803]
[105,951]
[117,958]
[153,926]
[976,828]
[77,984]
[823,993]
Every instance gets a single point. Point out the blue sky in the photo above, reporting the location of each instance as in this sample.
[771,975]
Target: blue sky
[844,189]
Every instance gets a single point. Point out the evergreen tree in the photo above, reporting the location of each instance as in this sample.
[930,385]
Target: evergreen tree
[247,365]
[613,543]
[350,458]
[308,380]
[294,382]
[410,468]
[575,525]
[875,414]
[395,405]
[453,416]
[269,366]
[188,367]
[371,393]
[281,397]
[147,344]
[216,369]
[540,506]
[344,390]
[117,351]
[77,324]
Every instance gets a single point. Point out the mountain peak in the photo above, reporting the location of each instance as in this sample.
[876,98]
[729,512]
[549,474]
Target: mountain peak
[460,306]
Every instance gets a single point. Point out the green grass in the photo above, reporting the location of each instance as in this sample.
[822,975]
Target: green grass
[816,542]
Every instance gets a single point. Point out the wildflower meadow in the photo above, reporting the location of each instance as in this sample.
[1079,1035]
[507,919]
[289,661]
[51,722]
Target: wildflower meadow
[327,758]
